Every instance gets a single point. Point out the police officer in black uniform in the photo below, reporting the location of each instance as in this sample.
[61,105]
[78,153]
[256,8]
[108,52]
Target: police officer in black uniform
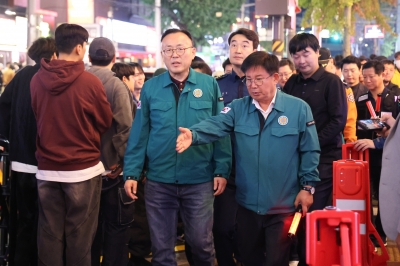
[241,43]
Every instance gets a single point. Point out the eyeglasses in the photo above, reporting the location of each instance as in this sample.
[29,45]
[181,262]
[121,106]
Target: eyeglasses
[285,75]
[178,51]
[257,81]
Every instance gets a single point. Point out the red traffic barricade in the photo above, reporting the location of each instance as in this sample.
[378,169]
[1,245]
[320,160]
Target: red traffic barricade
[333,238]
[351,191]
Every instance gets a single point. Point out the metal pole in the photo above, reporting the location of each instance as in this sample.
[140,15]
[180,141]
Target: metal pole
[158,32]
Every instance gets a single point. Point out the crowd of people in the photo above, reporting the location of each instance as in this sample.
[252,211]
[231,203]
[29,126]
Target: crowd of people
[105,164]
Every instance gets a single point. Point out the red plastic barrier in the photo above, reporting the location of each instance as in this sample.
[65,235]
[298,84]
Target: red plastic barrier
[351,191]
[333,238]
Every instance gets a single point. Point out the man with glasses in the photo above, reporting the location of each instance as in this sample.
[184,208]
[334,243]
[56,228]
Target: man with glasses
[139,79]
[175,182]
[277,152]
[286,70]
[242,43]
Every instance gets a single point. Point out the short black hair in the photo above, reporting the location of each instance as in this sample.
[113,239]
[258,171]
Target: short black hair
[197,58]
[225,63]
[100,62]
[287,62]
[363,57]
[376,65]
[261,59]
[68,36]
[136,65]
[42,48]
[303,40]
[123,70]
[172,31]
[387,62]
[202,66]
[396,54]
[338,60]
[380,58]
[351,59]
[249,34]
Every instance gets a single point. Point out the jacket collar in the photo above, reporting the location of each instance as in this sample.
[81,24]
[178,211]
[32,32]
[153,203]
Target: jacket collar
[166,78]
[316,76]
[279,106]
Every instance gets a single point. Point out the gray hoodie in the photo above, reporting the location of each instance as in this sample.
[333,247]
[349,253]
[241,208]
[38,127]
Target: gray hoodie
[114,140]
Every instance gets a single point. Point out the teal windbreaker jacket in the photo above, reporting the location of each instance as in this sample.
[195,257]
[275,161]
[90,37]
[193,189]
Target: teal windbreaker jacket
[152,139]
[272,163]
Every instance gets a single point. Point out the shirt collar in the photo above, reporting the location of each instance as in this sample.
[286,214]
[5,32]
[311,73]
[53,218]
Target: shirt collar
[316,76]
[166,79]
[271,105]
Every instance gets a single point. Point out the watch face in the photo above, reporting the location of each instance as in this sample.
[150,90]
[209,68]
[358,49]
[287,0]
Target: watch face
[312,190]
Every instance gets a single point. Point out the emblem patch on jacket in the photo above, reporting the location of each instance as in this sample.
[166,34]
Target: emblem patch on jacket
[283,120]
[225,110]
[310,123]
[197,93]
[363,97]
[139,105]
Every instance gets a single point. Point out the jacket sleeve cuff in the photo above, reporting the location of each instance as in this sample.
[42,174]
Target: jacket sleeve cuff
[379,143]
[130,177]
[226,176]
[308,183]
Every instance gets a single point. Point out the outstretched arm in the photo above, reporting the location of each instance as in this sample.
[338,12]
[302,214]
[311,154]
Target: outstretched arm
[184,140]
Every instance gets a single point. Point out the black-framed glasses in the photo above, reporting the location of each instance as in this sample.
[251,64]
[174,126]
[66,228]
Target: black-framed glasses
[178,51]
[257,81]
[285,75]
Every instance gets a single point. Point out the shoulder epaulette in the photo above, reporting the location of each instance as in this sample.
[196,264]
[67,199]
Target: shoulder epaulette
[221,77]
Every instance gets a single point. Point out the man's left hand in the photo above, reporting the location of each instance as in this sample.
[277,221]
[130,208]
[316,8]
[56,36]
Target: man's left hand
[364,144]
[305,199]
[219,185]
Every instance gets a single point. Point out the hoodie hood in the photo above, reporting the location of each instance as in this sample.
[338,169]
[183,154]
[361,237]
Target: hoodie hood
[104,74]
[57,75]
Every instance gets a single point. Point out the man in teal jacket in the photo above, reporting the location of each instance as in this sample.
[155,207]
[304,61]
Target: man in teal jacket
[277,154]
[177,182]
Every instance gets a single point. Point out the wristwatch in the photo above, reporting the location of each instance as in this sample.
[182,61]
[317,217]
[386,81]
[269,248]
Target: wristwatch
[309,189]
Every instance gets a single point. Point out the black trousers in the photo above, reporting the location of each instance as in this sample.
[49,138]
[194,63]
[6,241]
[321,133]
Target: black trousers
[112,233]
[68,214]
[322,198]
[139,244]
[375,176]
[24,240]
[263,239]
[225,209]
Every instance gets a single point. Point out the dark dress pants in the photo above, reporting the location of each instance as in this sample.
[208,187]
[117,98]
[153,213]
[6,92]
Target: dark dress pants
[322,198]
[139,244]
[112,234]
[225,209]
[263,239]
